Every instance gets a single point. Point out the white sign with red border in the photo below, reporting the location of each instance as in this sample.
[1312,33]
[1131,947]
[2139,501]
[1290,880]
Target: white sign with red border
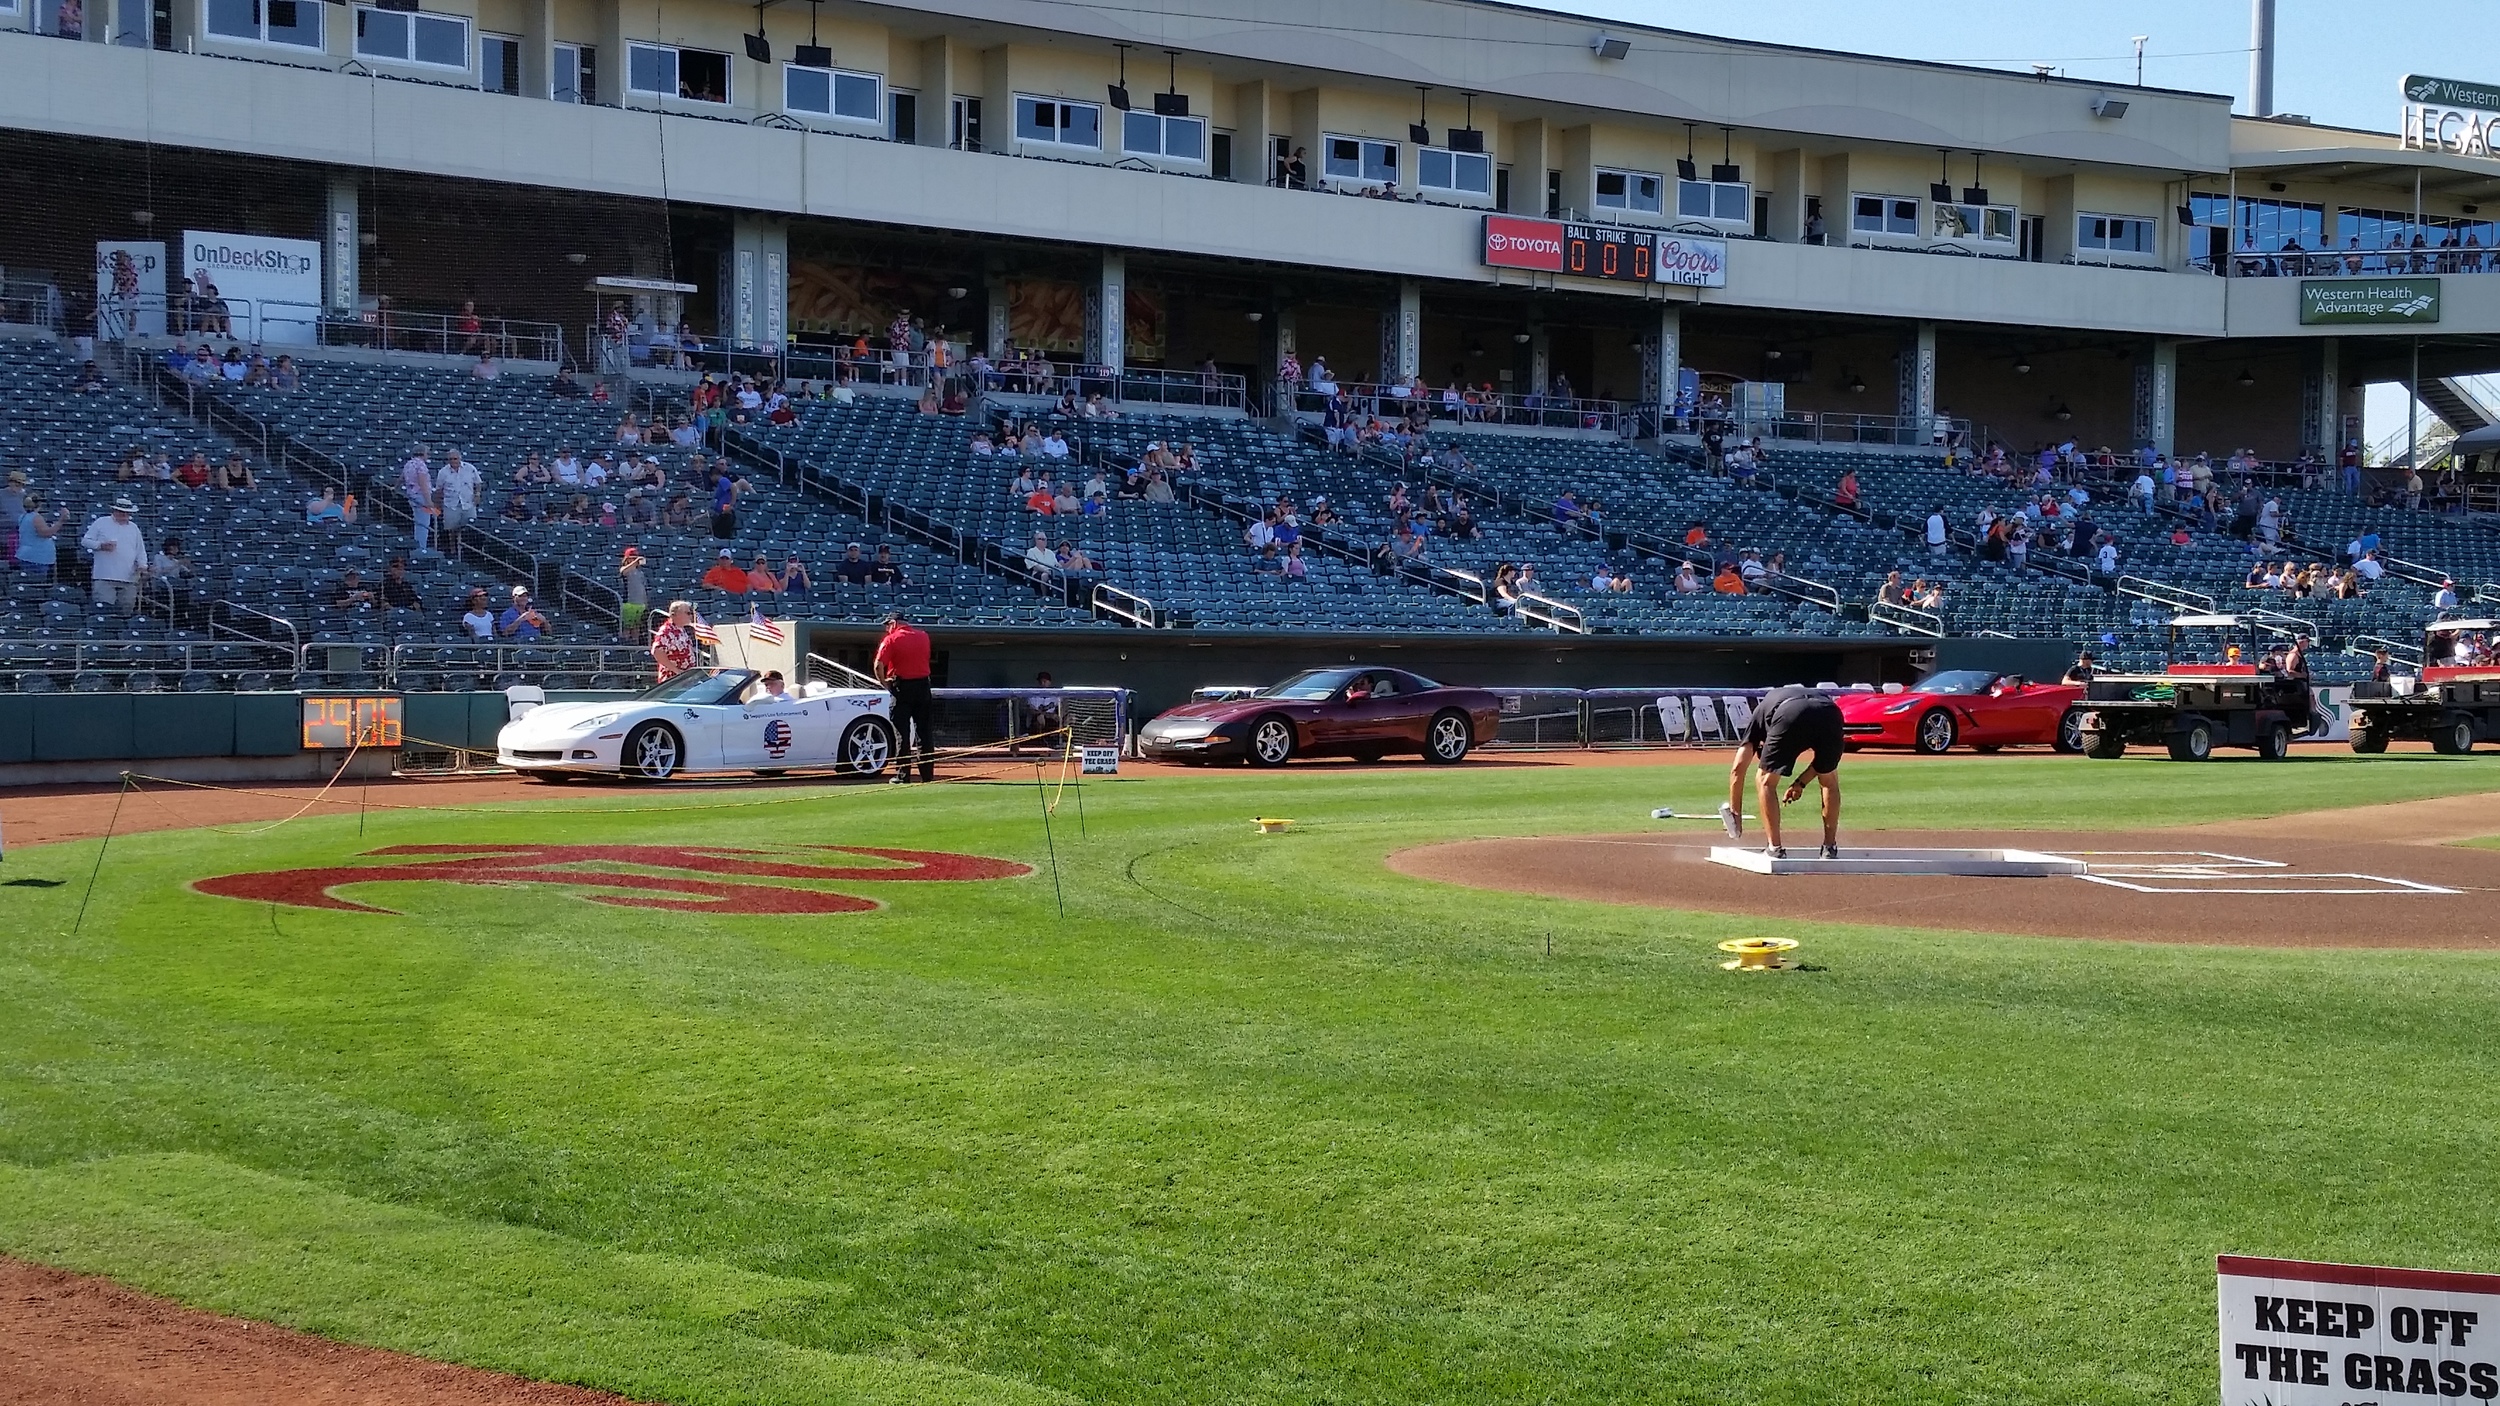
[2297,1333]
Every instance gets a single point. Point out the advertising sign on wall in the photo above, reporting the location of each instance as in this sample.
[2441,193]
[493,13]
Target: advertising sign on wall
[129,288]
[1691,262]
[2444,114]
[271,287]
[1514,243]
[2333,301]
[2297,1333]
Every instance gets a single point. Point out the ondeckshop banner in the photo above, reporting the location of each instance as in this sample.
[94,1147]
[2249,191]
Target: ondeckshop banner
[2297,1333]
[271,287]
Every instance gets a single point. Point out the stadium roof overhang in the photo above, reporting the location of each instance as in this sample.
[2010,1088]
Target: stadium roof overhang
[2391,170]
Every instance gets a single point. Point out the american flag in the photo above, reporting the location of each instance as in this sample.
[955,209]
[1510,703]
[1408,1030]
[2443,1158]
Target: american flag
[760,628]
[705,633]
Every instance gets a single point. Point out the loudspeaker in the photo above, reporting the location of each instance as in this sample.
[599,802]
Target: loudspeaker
[1727,174]
[1171,104]
[1940,193]
[282,14]
[1685,170]
[1419,134]
[759,48]
[1119,96]
[2187,214]
[812,56]
[1466,139]
[1974,195]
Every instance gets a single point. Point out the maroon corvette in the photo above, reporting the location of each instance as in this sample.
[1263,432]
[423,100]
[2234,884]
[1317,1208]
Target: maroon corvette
[1363,713]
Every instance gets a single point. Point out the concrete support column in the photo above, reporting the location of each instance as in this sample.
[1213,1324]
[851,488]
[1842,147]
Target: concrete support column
[2328,431]
[1107,314]
[538,38]
[2157,397]
[341,253]
[755,289]
[1662,356]
[1540,360]
[997,337]
[1918,381]
[1407,342]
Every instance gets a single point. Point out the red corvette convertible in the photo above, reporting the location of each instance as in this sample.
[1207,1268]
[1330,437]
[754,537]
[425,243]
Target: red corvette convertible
[1363,713]
[1971,707]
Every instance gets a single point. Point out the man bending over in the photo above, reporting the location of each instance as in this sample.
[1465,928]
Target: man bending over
[1788,724]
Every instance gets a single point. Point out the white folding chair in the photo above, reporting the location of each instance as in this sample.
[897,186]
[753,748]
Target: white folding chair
[1672,722]
[1739,715]
[521,700]
[1706,718]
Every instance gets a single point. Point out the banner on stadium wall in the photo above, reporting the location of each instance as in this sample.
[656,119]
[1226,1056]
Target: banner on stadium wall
[1692,262]
[2298,1333]
[1610,252]
[272,287]
[129,288]
[2330,714]
[1514,243]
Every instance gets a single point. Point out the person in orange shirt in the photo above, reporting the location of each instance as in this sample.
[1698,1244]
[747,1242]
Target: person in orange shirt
[1728,582]
[726,575]
[902,664]
[1697,535]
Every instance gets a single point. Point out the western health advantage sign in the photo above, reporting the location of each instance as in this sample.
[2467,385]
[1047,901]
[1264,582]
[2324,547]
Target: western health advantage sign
[2330,301]
[2297,1333]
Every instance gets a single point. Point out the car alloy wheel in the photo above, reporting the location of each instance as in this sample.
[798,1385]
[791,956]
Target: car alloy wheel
[1271,742]
[1449,739]
[1936,733]
[653,752]
[2070,731]
[866,747]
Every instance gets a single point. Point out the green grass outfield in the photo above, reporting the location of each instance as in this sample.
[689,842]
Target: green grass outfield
[1258,1121]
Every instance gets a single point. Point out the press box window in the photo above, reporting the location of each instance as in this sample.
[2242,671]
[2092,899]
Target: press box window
[1059,124]
[296,23]
[2118,234]
[1982,224]
[1728,201]
[574,76]
[1168,138]
[499,64]
[1460,172]
[830,92]
[1359,159]
[1883,214]
[1629,190]
[403,36]
[696,75]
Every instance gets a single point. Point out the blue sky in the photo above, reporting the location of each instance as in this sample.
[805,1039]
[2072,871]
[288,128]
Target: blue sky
[2337,63]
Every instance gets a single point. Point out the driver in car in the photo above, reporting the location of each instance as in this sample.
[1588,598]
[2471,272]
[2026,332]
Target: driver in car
[769,689]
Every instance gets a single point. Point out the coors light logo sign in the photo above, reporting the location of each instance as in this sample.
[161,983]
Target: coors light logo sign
[1513,243]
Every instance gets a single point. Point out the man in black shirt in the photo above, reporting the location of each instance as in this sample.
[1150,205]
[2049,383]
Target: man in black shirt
[1789,724]
[853,569]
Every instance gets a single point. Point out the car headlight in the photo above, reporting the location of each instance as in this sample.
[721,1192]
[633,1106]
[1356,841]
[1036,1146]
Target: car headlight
[1898,709]
[1183,731]
[597,723]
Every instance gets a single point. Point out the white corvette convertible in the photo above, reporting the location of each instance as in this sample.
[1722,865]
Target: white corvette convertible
[704,720]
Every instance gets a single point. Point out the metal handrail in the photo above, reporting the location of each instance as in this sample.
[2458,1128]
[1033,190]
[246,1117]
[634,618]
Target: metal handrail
[398,329]
[1498,408]
[2163,593]
[2398,649]
[2412,571]
[1908,619]
[2348,263]
[2290,626]
[26,655]
[858,679]
[502,656]
[295,648]
[1545,610]
[1126,605]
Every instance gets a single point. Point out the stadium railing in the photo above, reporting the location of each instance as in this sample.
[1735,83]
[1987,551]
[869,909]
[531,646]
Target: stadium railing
[1496,408]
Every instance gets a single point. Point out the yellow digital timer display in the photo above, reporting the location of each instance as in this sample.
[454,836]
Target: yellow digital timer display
[337,724]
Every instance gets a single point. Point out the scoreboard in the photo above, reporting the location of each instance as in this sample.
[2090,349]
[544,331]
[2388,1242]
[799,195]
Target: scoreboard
[1609,252]
[334,724]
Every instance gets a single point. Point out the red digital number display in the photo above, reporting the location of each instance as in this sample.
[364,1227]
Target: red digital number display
[336,724]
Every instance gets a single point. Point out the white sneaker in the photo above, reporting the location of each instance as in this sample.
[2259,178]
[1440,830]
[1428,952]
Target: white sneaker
[1776,851]
[1730,822]
[1831,851]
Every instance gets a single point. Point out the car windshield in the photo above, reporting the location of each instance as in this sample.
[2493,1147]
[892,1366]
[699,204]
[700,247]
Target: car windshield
[1956,681]
[697,688]
[1314,685]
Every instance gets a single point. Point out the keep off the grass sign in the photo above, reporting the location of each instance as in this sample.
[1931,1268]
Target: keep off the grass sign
[2296,1333]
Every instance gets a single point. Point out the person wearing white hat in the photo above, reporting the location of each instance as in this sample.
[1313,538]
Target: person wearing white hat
[117,557]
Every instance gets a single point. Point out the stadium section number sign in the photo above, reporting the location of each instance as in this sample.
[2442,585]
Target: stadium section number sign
[2295,1333]
[2442,114]
[335,724]
[2381,300]
[1605,252]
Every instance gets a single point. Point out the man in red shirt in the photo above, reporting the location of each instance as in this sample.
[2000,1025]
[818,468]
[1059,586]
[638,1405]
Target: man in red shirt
[903,666]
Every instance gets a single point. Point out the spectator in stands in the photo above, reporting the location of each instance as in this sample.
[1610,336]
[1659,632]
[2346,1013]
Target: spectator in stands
[1064,502]
[37,553]
[194,472]
[854,569]
[398,593]
[1071,557]
[521,620]
[326,509]
[2444,599]
[416,481]
[673,645]
[1039,559]
[888,572]
[477,621]
[1697,535]
[2105,559]
[633,574]
[1936,537]
[486,369]
[1892,592]
[1846,494]
[457,488]
[516,508]
[726,576]
[761,579]
[352,592]
[89,381]
[1619,582]
[1929,598]
[1750,568]
[726,491]
[1729,581]
[564,386]
[235,473]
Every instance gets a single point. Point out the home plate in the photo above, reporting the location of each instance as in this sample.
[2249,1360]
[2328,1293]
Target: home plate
[1965,863]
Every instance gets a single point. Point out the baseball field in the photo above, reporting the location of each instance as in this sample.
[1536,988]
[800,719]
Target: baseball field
[1003,1091]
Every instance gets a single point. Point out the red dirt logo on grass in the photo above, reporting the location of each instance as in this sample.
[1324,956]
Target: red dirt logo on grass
[644,876]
